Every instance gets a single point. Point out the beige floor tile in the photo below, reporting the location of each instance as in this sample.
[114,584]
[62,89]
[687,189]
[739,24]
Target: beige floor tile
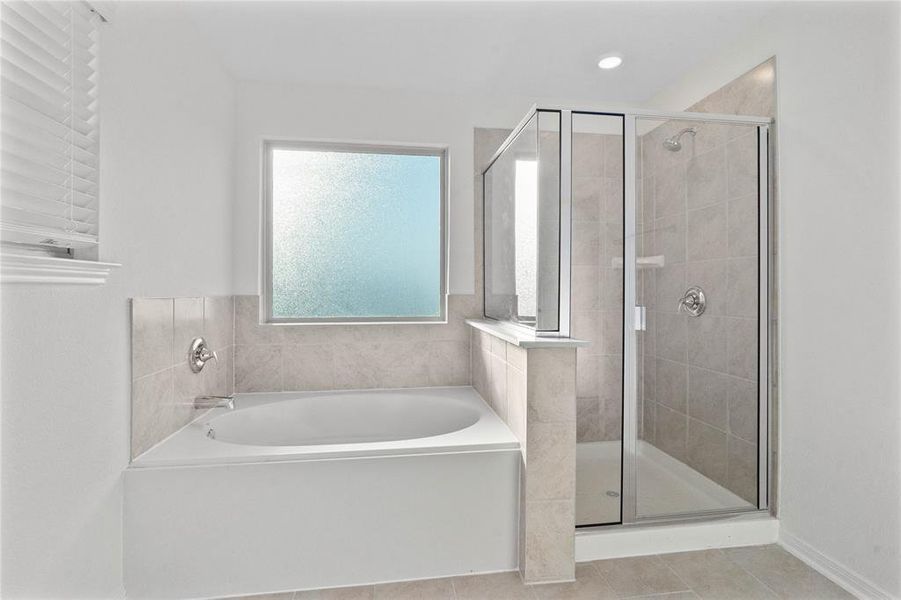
[785,574]
[670,596]
[710,574]
[429,589]
[497,586]
[363,592]
[584,588]
[639,575]
[281,596]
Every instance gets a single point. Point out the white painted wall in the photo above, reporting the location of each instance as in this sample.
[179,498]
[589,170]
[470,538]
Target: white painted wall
[295,111]
[839,265]
[166,192]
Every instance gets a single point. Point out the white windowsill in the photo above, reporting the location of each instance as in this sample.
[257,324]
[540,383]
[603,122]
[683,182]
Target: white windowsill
[24,268]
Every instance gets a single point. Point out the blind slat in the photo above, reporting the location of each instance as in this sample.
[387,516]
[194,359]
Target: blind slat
[19,15]
[50,123]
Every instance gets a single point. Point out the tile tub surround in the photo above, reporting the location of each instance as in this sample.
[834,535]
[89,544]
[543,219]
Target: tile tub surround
[697,207]
[305,357]
[163,385]
[743,572]
[533,390]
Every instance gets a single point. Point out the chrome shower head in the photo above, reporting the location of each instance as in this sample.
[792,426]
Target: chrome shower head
[674,144]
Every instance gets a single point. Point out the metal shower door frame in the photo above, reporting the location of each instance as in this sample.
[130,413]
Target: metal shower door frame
[629,491]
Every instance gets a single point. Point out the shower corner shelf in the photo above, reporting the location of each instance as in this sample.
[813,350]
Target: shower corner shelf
[644,262]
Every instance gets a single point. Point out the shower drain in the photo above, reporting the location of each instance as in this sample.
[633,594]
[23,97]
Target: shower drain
[612,494]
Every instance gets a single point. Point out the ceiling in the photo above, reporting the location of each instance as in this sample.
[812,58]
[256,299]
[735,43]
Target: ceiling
[537,49]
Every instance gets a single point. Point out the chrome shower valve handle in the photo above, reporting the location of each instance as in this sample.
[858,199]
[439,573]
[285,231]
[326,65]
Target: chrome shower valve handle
[199,354]
[693,301]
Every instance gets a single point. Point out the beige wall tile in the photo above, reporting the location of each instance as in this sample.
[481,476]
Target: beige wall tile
[588,155]
[588,414]
[308,367]
[586,242]
[481,366]
[706,342]
[742,469]
[586,325]
[153,410]
[742,347]
[497,385]
[671,336]
[612,324]
[219,321]
[551,448]
[248,330]
[551,385]
[743,408]
[669,190]
[613,156]
[258,368]
[707,452]
[708,396]
[672,384]
[706,234]
[585,287]
[611,417]
[498,347]
[187,325]
[517,357]
[587,198]
[517,404]
[671,432]
[671,285]
[549,541]
[706,176]
[743,226]
[448,363]
[669,237]
[586,373]
[744,293]
[151,335]
[741,165]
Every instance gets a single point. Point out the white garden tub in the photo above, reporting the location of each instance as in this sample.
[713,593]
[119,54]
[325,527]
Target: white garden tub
[310,490]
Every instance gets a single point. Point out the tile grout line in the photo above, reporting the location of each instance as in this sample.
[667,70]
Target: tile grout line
[753,576]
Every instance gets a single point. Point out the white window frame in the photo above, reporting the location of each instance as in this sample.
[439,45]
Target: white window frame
[268,146]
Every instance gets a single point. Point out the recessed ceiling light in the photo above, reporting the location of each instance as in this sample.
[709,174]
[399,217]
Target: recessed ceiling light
[610,61]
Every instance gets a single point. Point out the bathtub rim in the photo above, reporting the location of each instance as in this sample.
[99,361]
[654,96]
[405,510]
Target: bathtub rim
[188,448]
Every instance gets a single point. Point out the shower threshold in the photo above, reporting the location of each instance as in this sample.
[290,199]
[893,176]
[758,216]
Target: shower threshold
[666,486]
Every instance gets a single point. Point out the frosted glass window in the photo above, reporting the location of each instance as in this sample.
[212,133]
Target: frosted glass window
[355,233]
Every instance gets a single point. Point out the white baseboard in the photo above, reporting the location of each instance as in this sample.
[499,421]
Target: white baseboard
[746,530]
[840,575]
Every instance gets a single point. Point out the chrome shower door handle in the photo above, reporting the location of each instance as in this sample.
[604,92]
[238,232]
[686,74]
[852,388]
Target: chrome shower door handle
[693,301]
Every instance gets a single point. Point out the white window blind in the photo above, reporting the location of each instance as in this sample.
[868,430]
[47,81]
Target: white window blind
[50,128]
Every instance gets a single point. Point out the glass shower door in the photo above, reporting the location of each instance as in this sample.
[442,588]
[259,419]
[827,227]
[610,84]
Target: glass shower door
[697,269]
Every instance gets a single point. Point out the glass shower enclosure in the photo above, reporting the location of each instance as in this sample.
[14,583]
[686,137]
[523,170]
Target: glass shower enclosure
[644,233]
